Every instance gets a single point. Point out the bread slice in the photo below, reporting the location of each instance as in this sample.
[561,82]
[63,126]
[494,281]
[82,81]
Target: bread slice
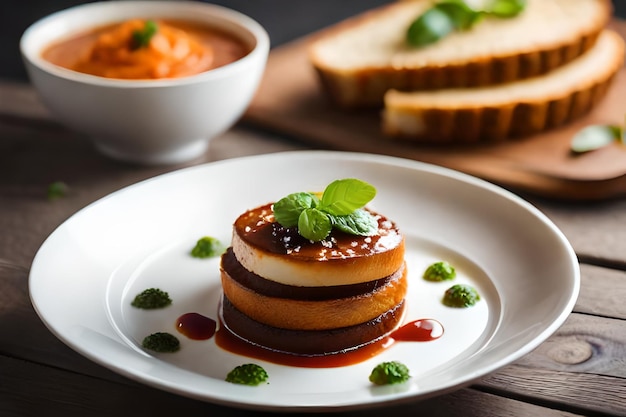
[509,110]
[359,60]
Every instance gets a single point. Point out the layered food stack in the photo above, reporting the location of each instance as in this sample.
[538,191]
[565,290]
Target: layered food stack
[503,77]
[287,293]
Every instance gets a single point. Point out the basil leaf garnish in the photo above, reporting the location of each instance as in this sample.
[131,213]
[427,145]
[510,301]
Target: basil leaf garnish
[506,8]
[447,16]
[431,26]
[342,197]
[141,38]
[287,210]
[314,224]
[462,16]
[359,222]
[340,206]
[595,137]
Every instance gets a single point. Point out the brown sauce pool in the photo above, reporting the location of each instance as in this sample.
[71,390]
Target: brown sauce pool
[177,49]
[198,327]
[421,330]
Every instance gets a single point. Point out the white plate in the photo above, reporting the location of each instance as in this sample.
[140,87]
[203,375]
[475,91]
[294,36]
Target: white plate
[88,270]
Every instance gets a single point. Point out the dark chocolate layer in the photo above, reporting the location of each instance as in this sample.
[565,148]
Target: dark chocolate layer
[270,288]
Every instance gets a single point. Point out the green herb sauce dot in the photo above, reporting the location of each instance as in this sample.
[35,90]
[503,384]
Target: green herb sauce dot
[392,372]
[161,342]
[207,247]
[247,374]
[152,298]
[460,296]
[440,271]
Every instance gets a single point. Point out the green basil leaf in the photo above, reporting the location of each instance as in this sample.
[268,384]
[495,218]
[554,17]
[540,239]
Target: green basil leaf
[314,224]
[506,8]
[445,16]
[57,190]
[340,207]
[141,38]
[359,222]
[342,197]
[429,27]
[595,137]
[287,210]
[462,16]
[619,134]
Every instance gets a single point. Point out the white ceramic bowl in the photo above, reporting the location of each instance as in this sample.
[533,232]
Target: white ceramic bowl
[146,121]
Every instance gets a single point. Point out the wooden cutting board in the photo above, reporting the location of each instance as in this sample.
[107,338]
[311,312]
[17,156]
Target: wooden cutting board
[291,101]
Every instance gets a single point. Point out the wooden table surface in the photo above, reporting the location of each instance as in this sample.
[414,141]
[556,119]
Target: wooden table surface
[580,370]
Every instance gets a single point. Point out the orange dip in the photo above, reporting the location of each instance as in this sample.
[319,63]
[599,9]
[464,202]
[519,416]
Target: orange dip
[177,49]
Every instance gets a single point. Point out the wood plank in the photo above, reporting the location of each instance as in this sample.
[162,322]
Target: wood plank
[587,345]
[582,365]
[586,394]
[29,390]
[602,292]
[20,100]
[596,230]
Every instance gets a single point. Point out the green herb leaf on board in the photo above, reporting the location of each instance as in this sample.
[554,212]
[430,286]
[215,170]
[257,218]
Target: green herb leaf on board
[595,137]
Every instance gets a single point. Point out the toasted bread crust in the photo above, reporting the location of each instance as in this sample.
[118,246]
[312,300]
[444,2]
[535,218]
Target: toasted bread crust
[508,111]
[364,85]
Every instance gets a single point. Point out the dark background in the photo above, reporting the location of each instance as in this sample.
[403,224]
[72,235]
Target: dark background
[283,19]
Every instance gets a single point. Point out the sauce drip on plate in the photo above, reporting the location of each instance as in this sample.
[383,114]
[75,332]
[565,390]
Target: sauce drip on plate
[196,326]
[422,330]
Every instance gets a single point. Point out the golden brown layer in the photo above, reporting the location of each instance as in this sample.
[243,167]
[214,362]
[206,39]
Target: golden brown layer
[314,313]
[309,342]
[280,254]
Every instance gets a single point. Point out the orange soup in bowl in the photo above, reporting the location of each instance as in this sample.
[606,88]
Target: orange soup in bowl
[147,49]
